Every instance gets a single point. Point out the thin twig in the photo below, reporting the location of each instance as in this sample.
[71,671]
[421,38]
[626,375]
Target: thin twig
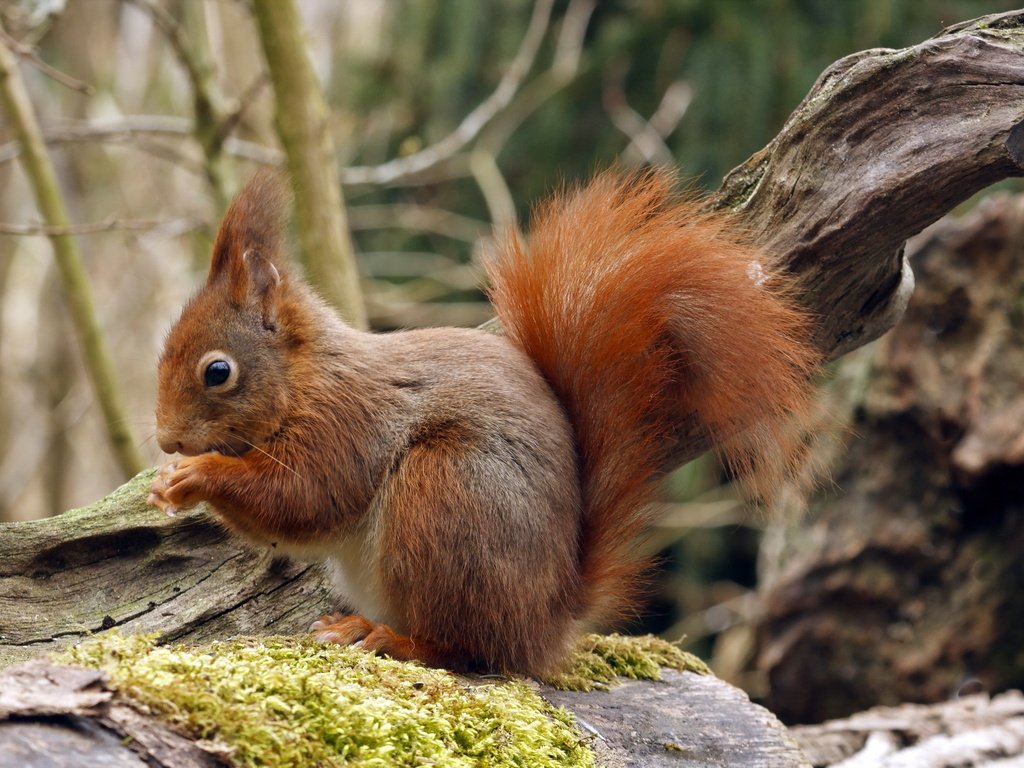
[645,143]
[177,39]
[133,127]
[569,49]
[493,187]
[563,70]
[29,54]
[417,217]
[211,116]
[170,227]
[235,114]
[673,107]
[473,123]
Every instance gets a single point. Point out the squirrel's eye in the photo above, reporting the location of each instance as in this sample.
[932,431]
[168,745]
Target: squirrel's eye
[216,373]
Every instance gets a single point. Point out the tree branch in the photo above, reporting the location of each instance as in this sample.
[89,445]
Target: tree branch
[885,143]
[302,124]
[43,180]
[169,227]
[134,127]
[29,54]
[473,123]
[211,116]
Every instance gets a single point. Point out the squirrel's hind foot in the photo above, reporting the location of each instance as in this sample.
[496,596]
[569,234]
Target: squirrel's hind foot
[376,638]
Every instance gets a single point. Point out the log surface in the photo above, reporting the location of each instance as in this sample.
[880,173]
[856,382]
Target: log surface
[120,563]
[60,716]
[683,720]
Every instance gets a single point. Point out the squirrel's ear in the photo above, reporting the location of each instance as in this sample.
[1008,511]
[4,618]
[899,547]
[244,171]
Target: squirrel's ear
[252,222]
[262,283]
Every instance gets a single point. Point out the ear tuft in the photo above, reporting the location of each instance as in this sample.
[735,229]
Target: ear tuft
[253,221]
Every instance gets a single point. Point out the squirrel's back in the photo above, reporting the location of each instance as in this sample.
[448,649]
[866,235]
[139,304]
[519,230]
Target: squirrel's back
[644,313]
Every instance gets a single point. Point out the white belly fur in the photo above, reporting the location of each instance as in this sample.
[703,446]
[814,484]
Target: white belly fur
[355,577]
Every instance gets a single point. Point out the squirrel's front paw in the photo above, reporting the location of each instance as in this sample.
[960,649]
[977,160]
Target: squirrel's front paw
[179,485]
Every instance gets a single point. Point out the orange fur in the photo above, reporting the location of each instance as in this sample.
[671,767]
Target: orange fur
[642,312]
[478,497]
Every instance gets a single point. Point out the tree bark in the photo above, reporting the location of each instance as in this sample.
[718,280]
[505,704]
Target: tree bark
[911,573]
[885,143]
[121,563]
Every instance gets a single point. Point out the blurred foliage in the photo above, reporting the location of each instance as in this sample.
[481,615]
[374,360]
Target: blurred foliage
[400,75]
[748,62]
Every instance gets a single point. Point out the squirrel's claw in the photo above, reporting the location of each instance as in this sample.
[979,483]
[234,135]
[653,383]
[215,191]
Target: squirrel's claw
[171,490]
[376,638]
[341,629]
[157,500]
[156,497]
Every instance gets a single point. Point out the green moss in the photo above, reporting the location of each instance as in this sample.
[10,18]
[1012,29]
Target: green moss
[294,702]
[599,659]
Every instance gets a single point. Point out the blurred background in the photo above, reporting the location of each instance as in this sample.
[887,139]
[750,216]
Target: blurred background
[119,88]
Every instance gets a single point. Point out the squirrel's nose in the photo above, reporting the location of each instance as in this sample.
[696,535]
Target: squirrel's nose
[167,443]
[170,447]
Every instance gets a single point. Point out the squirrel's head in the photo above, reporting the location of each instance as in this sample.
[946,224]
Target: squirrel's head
[222,380]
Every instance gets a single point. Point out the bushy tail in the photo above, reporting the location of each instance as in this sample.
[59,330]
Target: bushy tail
[649,317]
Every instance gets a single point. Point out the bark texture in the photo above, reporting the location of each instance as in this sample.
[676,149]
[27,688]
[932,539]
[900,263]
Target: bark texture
[906,584]
[885,143]
[66,717]
[120,563]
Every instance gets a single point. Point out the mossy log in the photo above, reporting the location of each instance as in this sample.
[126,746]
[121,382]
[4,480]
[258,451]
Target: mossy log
[885,143]
[54,715]
[120,563]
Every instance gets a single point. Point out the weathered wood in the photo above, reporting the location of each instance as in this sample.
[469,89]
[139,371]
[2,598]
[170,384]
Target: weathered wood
[904,583]
[684,719]
[58,715]
[55,716]
[972,732]
[121,563]
[885,143]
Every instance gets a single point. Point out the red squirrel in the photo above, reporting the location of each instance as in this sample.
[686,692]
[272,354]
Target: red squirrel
[476,496]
